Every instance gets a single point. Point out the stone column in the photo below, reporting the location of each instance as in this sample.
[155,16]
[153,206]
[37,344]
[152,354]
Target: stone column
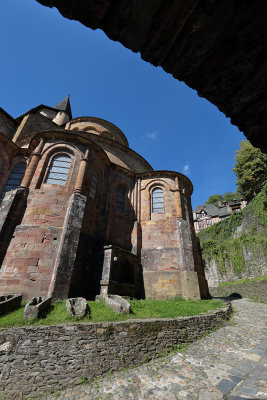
[139,201]
[189,276]
[108,203]
[66,256]
[36,155]
[178,202]
[81,173]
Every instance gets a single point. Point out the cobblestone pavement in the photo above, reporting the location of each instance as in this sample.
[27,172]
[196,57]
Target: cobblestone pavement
[230,363]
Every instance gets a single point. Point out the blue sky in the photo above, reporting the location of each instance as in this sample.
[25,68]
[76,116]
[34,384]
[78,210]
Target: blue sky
[45,56]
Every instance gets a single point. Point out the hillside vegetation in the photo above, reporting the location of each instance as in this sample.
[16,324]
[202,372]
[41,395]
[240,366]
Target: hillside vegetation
[240,241]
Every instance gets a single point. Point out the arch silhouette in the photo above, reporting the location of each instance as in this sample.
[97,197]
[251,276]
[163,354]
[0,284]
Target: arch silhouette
[215,50]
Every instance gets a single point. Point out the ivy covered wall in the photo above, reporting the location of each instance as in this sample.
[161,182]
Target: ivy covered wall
[237,247]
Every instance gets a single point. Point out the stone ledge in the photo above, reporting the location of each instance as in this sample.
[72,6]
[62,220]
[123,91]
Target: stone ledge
[34,360]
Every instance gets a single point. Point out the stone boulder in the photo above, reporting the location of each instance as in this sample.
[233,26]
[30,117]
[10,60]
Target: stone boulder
[9,303]
[117,303]
[36,307]
[77,307]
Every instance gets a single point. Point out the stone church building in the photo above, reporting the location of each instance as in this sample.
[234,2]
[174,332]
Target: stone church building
[82,214]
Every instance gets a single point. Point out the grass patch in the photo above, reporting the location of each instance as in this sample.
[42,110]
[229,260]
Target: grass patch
[245,280]
[148,308]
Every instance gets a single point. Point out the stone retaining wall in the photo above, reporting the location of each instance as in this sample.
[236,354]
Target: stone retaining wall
[254,289]
[35,360]
[255,265]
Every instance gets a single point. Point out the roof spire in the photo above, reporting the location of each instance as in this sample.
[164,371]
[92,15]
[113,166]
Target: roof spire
[64,105]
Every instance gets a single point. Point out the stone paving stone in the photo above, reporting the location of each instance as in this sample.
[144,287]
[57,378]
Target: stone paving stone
[247,390]
[228,364]
[225,386]
[235,379]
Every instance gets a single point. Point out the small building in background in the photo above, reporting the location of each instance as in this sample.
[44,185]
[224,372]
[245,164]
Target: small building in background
[206,215]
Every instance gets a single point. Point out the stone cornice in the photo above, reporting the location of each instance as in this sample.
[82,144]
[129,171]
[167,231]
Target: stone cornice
[164,173]
[100,120]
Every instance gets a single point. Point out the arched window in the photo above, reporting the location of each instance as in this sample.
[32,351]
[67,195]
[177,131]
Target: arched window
[14,178]
[120,199]
[157,200]
[94,184]
[58,171]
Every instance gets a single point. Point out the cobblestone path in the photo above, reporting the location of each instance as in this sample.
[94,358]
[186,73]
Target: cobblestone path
[230,363]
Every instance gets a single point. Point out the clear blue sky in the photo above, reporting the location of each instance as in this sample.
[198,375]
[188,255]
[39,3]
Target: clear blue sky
[45,56]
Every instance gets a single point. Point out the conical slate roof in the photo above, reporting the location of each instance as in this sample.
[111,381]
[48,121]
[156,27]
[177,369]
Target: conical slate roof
[64,105]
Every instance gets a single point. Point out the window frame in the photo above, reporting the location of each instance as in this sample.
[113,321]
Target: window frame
[201,225]
[3,192]
[50,163]
[93,194]
[152,200]
[126,191]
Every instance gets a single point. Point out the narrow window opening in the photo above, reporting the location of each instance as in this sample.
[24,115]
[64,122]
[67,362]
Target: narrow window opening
[157,201]
[14,178]
[58,171]
[120,200]
[94,185]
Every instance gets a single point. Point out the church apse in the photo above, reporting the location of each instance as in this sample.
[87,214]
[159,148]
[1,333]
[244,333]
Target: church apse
[97,219]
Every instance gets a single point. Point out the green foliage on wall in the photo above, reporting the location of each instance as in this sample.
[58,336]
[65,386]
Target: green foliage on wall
[220,241]
[223,230]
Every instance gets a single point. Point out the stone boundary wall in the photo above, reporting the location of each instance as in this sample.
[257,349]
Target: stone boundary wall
[254,289]
[36,360]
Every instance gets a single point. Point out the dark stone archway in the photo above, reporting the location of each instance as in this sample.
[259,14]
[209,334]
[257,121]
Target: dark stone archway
[216,47]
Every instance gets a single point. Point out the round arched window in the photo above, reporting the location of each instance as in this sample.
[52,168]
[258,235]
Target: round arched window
[58,171]
[157,200]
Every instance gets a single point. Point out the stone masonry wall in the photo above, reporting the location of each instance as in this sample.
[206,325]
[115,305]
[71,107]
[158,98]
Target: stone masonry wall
[7,124]
[28,263]
[252,289]
[30,257]
[160,245]
[34,360]
[120,224]
[255,265]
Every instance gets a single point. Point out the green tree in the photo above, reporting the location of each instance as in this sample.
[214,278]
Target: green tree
[229,196]
[250,169]
[214,199]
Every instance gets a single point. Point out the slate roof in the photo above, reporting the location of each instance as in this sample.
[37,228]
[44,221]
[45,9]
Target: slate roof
[223,212]
[64,105]
[210,209]
[6,113]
